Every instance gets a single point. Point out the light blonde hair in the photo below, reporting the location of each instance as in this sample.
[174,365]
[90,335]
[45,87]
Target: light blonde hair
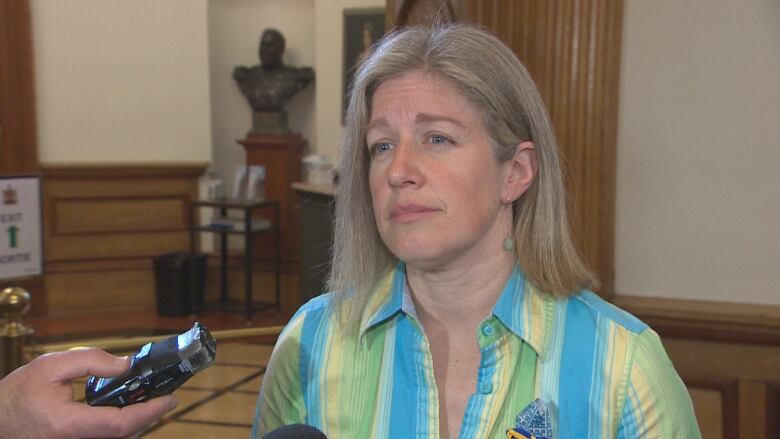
[491,78]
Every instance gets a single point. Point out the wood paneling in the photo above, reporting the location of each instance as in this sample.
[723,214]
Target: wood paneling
[119,245]
[752,408]
[709,360]
[709,411]
[94,290]
[725,352]
[773,410]
[113,215]
[752,374]
[572,50]
[715,403]
[18,144]
[103,224]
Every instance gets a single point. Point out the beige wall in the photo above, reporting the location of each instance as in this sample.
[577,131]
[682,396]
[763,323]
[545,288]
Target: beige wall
[698,185]
[120,81]
[149,81]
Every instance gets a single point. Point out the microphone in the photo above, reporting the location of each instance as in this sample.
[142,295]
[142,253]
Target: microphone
[296,431]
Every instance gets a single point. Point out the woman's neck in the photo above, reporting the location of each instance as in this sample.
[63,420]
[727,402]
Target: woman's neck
[463,295]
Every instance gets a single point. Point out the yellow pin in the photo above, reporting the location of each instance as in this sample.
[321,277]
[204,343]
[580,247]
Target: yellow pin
[514,434]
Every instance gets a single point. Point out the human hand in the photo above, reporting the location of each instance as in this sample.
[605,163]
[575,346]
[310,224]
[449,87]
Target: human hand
[36,400]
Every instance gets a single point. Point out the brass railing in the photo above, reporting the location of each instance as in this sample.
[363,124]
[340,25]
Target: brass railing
[14,303]
[133,343]
[15,346]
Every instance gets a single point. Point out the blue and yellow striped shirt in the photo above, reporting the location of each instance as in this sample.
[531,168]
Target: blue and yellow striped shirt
[602,372]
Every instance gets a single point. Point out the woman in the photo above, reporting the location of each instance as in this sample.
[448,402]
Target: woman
[458,298]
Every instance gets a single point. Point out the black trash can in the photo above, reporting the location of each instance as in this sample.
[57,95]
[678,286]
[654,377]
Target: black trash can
[172,282]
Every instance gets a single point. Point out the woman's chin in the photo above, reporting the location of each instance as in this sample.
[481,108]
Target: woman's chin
[416,256]
[428,259]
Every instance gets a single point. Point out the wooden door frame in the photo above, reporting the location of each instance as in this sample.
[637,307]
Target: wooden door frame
[18,136]
[18,140]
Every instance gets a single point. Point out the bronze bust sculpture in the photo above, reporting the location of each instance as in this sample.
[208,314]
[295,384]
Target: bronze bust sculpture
[269,85]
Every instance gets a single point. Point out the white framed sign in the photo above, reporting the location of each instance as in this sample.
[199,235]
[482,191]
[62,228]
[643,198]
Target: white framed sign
[21,246]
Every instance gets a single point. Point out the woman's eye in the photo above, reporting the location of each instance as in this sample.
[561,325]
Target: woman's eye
[438,138]
[381,147]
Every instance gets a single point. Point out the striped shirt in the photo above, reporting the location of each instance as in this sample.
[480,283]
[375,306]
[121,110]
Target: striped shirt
[602,372]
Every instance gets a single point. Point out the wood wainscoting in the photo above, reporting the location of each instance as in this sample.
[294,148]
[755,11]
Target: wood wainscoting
[728,354]
[103,224]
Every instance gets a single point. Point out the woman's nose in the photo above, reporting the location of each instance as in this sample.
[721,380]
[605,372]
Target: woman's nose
[404,169]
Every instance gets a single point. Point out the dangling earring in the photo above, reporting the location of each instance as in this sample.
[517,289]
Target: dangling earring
[509,243]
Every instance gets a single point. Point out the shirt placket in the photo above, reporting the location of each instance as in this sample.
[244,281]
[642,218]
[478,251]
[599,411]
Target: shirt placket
[427,392]
[487,392]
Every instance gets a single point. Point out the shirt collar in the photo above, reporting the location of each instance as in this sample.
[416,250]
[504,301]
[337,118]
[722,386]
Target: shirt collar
[521,308]
[386,300]
[526,311]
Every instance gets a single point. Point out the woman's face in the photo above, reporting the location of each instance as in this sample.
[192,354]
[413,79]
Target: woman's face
[435,183]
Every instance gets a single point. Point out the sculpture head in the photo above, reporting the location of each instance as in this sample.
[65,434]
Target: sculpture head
[271,48]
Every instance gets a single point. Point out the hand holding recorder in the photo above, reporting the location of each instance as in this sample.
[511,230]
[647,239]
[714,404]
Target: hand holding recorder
[37,399]
[156,369]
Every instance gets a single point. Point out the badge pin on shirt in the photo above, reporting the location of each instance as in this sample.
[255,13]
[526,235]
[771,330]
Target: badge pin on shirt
[532,423]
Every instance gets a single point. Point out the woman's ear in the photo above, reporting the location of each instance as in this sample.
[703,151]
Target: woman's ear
[522,171]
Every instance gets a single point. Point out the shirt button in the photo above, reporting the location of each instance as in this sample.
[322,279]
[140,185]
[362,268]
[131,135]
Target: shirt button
[487,330]
[487,387]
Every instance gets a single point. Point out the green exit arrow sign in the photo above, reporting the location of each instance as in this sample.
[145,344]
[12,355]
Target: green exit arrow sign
[12,231]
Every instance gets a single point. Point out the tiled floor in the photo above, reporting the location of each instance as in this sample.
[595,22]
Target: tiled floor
[220,401]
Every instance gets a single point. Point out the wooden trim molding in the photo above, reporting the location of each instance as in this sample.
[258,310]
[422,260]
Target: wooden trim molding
[706,320]
[92,171]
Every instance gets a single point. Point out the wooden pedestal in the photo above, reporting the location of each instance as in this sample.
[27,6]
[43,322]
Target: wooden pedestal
[281,155]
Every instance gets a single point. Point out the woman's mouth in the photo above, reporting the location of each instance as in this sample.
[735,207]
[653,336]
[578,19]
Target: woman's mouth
[406,213]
